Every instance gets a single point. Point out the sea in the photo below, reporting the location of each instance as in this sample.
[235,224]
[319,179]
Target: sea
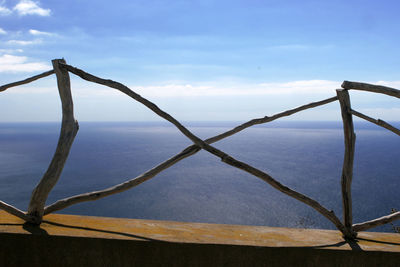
[305,156]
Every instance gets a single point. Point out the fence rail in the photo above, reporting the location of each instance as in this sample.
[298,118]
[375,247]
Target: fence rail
[69,128]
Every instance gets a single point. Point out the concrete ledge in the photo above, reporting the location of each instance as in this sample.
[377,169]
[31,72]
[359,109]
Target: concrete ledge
[69,240]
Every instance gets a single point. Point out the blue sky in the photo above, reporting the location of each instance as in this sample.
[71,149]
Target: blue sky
[199,60]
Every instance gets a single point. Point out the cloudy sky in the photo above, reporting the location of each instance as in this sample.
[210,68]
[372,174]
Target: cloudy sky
[199,60]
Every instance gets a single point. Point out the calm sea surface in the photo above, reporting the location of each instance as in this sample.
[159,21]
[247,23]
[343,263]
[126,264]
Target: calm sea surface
[304,156]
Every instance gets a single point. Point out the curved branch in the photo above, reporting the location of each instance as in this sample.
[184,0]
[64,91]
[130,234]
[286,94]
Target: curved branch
[69,129]
[91,196]
[28,80]
[270,118]
[371,88]
[124,89]
[376,222]
[329,214]
[187,152]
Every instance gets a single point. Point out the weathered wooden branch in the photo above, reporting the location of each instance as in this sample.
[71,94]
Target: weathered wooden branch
[13,210]
[270,118]
[69,129]
[189,151]
[377,122]
[124,89]
[329,214]
[371,88]
[28,80]
[91,196]
[376,222]
[347,172]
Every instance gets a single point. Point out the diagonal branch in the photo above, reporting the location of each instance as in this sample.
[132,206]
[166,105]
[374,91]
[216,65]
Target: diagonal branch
[377,122]
[187,152]
[376,222]
[124,89]
[371,88]
[91,196]
[329,214]
[14,211]
[271,118]
[69,129]
[28,80]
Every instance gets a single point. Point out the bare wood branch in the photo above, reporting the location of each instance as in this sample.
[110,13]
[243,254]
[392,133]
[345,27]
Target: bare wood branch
[28,80]
[66,202]
[377,122]
[69,129]
[187,152]
[329,214]
[376,222]
[371,88]
[270,118]
[347,172]
[124,89]
[14,211]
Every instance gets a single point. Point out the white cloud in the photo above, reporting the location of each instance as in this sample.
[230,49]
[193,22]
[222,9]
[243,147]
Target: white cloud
[36,33]
[11,51]
[4,11]
[23,42]
[10,63]
[295,87]
[28,7]
[394,84]
[323,88]
[2,31]
[177,90]
[299,87]
[303,87]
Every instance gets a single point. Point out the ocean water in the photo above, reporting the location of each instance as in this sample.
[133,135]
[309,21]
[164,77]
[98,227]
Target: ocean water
[306,156]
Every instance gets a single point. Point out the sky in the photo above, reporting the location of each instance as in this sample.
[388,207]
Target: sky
[199,60]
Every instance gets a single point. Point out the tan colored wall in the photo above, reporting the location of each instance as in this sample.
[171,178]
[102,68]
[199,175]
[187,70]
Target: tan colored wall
[67,240]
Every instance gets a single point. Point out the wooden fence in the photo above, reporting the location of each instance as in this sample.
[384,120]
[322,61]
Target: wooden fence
[69,128]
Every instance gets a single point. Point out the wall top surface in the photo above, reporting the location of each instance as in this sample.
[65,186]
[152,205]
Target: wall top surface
[200,233]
